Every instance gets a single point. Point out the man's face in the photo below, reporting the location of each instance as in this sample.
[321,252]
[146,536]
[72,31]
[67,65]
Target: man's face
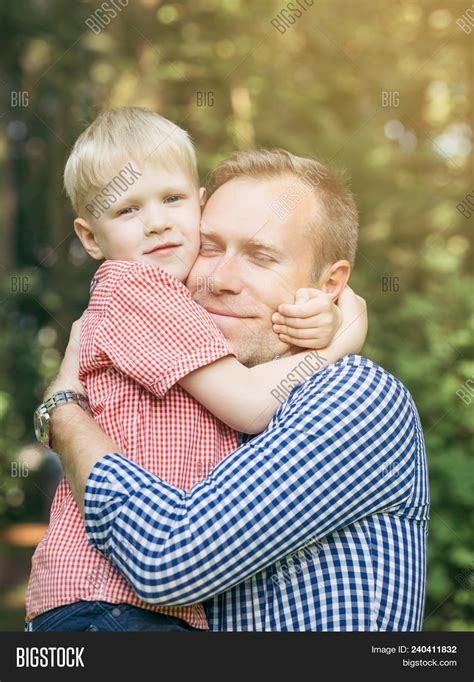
[250,261]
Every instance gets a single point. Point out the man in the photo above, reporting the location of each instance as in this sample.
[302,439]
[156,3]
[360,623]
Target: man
[318,523]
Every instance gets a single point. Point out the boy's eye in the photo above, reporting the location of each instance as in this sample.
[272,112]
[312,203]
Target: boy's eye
[125,211]
[173,198]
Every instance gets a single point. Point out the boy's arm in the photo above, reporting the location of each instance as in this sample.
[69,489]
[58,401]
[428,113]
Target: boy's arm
[246,399]
[156,334]
[81,442]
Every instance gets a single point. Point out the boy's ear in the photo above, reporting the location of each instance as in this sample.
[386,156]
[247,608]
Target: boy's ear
[335,278]
[85,234]
[202,195]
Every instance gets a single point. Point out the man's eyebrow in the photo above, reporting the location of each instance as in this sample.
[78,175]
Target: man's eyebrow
[209,232]
[257,245]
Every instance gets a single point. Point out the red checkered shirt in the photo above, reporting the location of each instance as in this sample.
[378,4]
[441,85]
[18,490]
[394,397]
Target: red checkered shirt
[140,335]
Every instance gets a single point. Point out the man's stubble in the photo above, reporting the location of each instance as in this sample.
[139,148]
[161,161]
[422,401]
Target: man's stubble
[253,349]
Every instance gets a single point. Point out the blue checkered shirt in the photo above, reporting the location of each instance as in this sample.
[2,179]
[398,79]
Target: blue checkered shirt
[317,524]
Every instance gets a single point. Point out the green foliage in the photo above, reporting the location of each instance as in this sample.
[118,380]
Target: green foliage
[317,90]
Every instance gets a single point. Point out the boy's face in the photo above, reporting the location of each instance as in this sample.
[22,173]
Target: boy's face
[155,220]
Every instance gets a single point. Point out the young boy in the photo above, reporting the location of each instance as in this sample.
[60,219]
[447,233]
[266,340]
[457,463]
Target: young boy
[152,360]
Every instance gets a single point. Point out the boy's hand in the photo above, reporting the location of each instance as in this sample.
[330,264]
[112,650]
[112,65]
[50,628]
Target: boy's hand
[310,322]
[351,336]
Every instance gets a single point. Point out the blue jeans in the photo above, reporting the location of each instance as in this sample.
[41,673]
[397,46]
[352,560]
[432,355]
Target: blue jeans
[100,616]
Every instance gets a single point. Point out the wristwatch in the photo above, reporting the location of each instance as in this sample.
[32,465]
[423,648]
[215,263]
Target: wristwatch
[42,415]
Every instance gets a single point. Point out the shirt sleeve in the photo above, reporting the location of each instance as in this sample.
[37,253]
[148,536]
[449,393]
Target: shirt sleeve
[154,332]
[323,464]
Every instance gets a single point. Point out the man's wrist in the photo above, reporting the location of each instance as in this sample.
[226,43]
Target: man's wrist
[60,418]
[61,384]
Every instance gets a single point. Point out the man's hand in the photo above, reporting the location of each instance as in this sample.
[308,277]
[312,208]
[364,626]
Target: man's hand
[68,375]
[75,436]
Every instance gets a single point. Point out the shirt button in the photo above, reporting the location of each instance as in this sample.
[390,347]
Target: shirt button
[116,612]
[92,628]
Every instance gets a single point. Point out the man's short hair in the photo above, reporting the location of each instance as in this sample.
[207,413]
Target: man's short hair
[333,228]
[120,135]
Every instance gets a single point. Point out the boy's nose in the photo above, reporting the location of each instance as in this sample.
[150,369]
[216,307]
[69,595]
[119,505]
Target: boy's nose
[156,224]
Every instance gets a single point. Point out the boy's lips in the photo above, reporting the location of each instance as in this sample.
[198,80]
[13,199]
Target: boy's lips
[163,249]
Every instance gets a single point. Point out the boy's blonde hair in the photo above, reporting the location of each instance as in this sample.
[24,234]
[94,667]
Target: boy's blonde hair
[120,135]
[332,229]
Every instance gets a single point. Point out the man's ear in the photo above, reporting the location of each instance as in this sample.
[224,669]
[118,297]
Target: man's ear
[335,278]
[87,237]
[202,196]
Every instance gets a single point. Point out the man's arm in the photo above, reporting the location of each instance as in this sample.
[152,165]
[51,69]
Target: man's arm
[76,437]
[326,462]
[80,442]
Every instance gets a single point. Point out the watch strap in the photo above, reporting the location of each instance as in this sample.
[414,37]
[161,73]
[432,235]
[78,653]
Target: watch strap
[62,397]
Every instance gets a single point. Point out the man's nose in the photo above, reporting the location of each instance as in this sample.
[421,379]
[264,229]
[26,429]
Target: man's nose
[227,277]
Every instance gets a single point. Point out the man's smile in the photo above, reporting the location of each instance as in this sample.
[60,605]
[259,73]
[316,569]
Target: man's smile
[227,313]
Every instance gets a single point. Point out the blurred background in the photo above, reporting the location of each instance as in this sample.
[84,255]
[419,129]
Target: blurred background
[382,88]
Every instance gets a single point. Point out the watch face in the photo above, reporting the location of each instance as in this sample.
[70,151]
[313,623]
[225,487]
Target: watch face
[37,424]
[40,425]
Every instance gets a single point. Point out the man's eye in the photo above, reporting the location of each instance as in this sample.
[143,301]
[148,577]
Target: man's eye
[173,198]
[263,257]
[208,250]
